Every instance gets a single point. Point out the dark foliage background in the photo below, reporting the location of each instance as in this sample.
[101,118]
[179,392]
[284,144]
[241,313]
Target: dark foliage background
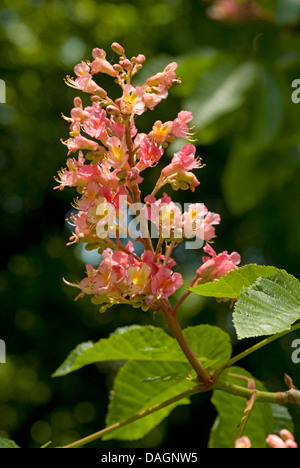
[237,79]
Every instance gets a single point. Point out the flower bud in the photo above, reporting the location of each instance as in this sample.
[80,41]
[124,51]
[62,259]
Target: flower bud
[126,64]
[96,98]
[291,444]
[275,442]
[286,435]
[121,175]
[113,110]
[100,92]
[118,48]
[242,442]
[117,67]
[98,53]
[77,102]
[133,174]
[140,59]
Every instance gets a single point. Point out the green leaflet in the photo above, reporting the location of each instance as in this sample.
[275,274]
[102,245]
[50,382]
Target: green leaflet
[220,91]
[7,443]
[282,419]
[287,11]
[140,385]
[247,175]
[134,391]
[234,282]
[270,306]
[148,343]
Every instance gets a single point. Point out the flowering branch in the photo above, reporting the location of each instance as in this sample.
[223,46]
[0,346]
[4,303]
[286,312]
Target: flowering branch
[108,179]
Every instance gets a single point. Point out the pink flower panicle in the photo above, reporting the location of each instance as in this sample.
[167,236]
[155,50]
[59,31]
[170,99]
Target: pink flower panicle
[111,156]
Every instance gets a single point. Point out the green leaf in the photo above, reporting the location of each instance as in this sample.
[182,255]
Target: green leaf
[220,91]
[282,419]
[230,412]
[287,11]
[234,282]
[7,443]
[199,61]
[268,112]
[245,167]
[167,373]
[270,306]
[132,343]
[211,345]
[136,343]
[134,391]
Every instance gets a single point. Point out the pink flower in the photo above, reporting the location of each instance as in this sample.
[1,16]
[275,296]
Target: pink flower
[161,131]
[218,265]
[235,11]
[165,78]
[117,156]
[151,99]
[100,65]
[165,283]
[132,100]
[275,442]
[183,161]
[79,143]
[242,442]
[81,68]
[180,128]
[150,154]
[166,215]
[198,221]
[286,440]
[286,435]
[85,83]
[138,278]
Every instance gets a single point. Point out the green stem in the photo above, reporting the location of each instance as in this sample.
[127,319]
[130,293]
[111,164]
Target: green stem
[248,410]
[136,417]
[187,293]
[291,396]
[256,347]
[244,392]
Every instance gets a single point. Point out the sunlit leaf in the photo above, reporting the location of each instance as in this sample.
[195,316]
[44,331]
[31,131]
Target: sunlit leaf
[7,443]
[134,392]
[271,305]
[136,343]
[234,282]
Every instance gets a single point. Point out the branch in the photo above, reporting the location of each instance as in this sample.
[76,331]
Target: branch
[291,396]
[203,374]
[256,347]
[136,417]
[249,405]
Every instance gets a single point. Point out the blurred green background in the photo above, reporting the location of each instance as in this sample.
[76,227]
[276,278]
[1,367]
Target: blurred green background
[237,60]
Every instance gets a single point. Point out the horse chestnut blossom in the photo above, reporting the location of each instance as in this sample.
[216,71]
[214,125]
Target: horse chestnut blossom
[286,440]
[216,266]
[107,174]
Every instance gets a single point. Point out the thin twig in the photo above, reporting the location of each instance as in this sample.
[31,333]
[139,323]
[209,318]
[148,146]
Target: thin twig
[136,417]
